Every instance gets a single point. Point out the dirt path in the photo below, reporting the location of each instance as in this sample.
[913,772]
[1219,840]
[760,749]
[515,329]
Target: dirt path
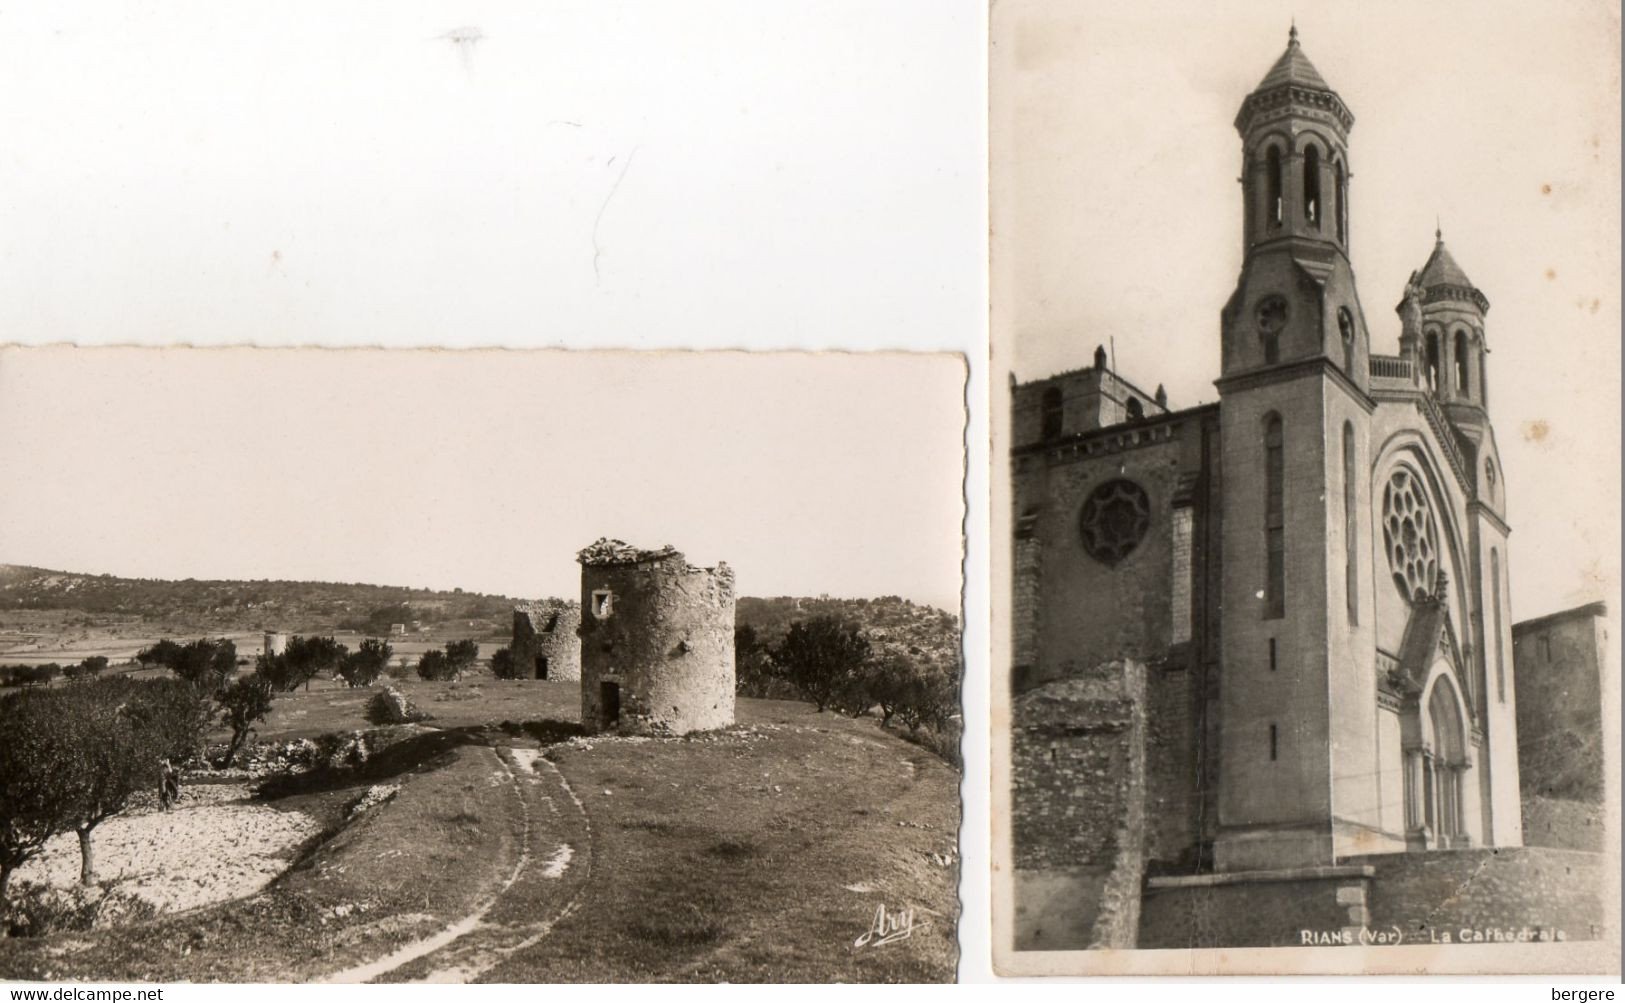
[544,886]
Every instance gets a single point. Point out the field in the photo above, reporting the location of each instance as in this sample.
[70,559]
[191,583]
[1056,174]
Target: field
[29,637]
[516,850]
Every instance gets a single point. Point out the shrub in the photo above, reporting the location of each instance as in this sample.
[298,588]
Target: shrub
[462,655]
[502,664]
[435,665]
[39,910]
[944,742]
[456,658]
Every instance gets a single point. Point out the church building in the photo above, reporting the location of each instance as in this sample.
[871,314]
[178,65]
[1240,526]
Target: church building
[1310,575]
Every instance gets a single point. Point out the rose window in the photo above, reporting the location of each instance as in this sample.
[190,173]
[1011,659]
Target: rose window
[1114,520]
[1410,536]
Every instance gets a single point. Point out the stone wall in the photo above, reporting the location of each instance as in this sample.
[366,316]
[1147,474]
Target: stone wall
[658,634]
[1025,627]
[1567,825]
[547,630]
[1432,895]
[1078,809]
[1558,667]
[1262,909]
[1172,793]
[1447,896]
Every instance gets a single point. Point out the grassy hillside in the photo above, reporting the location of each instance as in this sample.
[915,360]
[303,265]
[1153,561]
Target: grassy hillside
[760,852]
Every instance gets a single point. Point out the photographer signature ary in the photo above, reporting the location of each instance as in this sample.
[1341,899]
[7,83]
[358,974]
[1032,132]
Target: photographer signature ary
[888,926]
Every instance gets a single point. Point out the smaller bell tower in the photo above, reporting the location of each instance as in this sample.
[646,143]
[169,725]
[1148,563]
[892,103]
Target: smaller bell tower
[1452,346]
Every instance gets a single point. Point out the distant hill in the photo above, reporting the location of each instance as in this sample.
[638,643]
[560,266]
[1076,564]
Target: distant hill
[244,605]
[888,621]
[311,607]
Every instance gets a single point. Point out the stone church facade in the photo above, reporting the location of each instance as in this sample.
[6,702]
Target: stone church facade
[1311,573]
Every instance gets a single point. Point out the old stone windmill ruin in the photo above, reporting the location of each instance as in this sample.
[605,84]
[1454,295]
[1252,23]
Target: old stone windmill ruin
[652,641]
[657,641]
[544,640]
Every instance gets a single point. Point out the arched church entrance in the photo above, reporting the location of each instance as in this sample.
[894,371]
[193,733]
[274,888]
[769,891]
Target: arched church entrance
[1436,786]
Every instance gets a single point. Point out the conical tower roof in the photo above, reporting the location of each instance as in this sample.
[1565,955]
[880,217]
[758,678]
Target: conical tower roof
[1442,279]
[1289,81]
[1293,68]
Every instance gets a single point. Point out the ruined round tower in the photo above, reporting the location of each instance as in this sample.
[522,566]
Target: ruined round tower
[545,643]
[657,642]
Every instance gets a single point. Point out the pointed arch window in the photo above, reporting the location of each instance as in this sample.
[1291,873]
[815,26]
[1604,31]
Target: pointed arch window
[1311,186]
[1274,519]
[1053,413]
[1342,204]
[1272,169]
[1345,327]
[1433,361]
[1351,550]
[1136,410]
[1461,363]
[1495,618]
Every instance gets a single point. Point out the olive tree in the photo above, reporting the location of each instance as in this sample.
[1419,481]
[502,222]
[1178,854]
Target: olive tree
[363,666]
[33,804]
[245,702]
[819,656]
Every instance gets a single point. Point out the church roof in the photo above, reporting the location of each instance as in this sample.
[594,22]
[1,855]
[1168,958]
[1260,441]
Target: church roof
[1293,68]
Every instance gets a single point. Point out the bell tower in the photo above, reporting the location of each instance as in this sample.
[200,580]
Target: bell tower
[1295,299]
[1452,348]
[1296,711]
[1294,188]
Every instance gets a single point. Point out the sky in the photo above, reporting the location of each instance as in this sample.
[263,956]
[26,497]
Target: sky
[712,174]
[832,473]
[1118,218]
[708,174]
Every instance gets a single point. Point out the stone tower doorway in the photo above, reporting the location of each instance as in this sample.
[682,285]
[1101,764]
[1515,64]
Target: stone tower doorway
[609,704]
[541,666]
